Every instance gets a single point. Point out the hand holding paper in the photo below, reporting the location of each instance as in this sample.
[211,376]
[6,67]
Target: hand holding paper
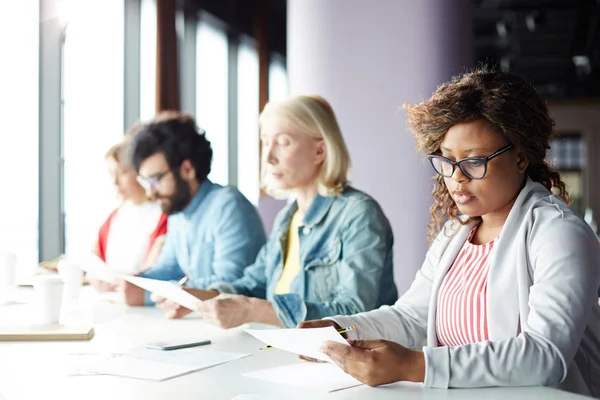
[166,290]
[94,267]
[305,342]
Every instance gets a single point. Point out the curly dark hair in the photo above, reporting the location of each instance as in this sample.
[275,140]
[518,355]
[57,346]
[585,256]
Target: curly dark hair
[176,136]
[511,107]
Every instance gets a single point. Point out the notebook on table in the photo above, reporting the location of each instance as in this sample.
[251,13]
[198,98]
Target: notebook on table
[46,332]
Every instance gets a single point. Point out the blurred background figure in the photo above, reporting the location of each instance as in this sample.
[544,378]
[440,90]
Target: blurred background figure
[131,238]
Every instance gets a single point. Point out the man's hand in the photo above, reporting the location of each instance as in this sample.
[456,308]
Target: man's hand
[133,295]
[174,310]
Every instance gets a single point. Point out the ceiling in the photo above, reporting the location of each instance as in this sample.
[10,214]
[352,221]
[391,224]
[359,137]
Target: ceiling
[554,43]
[240,16]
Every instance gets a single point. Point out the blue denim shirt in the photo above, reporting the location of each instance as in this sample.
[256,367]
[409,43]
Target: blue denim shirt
[346,261]
[212,240]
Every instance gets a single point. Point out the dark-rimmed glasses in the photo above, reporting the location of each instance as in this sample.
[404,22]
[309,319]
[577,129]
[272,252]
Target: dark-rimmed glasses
[471,167]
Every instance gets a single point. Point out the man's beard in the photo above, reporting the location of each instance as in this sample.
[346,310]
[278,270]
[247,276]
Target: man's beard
[179,200]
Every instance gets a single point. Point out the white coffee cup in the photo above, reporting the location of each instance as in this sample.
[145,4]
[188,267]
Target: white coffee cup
[72,276]
[47,291]
[8,274]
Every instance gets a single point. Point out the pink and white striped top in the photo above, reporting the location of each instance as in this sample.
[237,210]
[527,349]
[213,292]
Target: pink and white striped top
[461,316]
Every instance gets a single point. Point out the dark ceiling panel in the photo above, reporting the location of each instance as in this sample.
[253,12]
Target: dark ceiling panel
[239,16]
[554,43]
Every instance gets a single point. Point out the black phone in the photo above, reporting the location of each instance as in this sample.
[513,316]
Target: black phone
[175,344]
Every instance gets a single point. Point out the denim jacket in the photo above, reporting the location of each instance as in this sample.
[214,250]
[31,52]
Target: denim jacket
[346,261]
[213,239]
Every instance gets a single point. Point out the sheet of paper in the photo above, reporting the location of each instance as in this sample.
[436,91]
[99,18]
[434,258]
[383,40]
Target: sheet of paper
[111,297]
[300,341]
[154,364]
[321,376]
[94,267]
[134,368]
[165,289]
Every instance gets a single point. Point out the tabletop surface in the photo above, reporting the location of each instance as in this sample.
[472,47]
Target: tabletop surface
[34,369]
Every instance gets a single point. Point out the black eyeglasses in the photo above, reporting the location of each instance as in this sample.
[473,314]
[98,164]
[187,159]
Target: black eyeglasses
[472,167]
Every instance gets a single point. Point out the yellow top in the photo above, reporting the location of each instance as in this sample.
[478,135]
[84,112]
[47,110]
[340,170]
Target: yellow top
[291,265]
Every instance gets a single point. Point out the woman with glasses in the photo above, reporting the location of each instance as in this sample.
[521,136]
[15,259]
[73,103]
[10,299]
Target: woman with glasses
[506,295]
[131,238]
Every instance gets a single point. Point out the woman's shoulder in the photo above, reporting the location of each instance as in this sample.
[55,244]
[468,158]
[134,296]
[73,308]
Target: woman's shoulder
[354,205]
[351,196]
[550,216]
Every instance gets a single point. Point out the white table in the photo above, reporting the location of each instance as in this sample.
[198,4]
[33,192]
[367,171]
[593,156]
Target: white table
[39,370]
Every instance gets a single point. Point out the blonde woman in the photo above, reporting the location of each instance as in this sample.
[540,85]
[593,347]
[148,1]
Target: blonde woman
[330,251]
[130,239]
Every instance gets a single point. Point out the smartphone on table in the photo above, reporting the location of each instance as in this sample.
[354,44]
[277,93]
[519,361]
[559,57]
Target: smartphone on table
[176,344]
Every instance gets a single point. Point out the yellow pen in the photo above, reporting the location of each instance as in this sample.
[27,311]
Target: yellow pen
[340,331]
[348,329]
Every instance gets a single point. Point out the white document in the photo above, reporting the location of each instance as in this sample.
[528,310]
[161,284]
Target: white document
[155,364]
[165,289]
[300,341]
[321,376]
[94,267]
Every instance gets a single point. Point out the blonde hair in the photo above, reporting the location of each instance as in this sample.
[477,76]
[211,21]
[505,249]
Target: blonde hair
[114,152]
[119,151]
[314,115]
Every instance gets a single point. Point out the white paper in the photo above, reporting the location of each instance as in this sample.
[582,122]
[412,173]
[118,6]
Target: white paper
[300,341]
[94,267]
[165,289]
[321,376]
[154,364]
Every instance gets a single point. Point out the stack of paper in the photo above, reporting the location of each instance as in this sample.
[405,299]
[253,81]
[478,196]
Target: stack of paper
[153,364]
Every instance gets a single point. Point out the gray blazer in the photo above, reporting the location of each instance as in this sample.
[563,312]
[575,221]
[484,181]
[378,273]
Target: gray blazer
[543,312]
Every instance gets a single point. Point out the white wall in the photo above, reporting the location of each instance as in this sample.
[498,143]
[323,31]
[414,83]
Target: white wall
[368,58]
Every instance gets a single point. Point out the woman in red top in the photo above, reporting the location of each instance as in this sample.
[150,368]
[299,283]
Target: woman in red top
[130,239]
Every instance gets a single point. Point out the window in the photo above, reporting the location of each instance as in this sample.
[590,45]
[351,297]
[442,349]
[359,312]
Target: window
[211,93]
[19,98]
[278,79]
[147,59]
[93,115]
[568,155]
[248,139]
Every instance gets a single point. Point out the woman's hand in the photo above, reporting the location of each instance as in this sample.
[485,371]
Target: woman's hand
[226,310]
[231,310]
[317,323]
[377,362]
[132,294]
[102,286]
